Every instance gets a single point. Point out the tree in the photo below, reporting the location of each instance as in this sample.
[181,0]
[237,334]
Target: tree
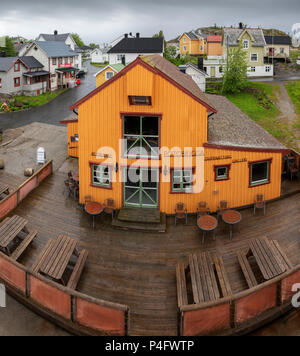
[235,73]
[9,48]
[77,39]
[93,45]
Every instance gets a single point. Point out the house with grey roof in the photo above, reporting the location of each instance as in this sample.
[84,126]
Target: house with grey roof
[278,47]
[99,55]
[196,72]
[23,76]
[57,58]
[68,40]
[252,41]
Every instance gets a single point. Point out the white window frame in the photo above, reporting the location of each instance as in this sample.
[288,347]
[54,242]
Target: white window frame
[184,48]
[251,60]
[282,51]
[101,176]
[184,39]
[184,178]
[244,43]
[109,71]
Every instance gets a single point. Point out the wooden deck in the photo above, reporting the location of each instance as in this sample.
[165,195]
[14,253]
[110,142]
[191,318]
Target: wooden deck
[137,268]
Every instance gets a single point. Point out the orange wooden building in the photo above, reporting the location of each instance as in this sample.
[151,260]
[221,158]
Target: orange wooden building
[214,45]
[163,118]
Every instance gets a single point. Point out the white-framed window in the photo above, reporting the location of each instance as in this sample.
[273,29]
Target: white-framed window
[184,40]
[246,44]
[108,75]
[282,50]
[101,175]
[254,57]
[184,48]
[201,48]
[182,180]
[252,69]
[268,69]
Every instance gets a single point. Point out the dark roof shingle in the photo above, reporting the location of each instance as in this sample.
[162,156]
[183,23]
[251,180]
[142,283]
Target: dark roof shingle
[278,40]
[29,61]
[231,127]
[139,45]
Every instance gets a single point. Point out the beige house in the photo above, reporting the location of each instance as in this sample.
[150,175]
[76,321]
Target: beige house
[253,43]
[277,47]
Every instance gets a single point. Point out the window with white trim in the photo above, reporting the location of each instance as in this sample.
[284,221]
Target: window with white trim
[101,175]
[184,40]
[182,180]
[184,48]
[109,74]
[254,57]
[246,44]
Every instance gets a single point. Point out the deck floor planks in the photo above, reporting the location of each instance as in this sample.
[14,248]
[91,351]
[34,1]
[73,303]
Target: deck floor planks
[139,269]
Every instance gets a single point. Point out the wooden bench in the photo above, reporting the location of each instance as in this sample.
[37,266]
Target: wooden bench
[246,268]
[74,278]
[222,276]
[182,298]
[23,245]
[39,262]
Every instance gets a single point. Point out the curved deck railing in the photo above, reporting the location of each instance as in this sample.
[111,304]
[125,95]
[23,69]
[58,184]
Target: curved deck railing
[242,311]
[74,311]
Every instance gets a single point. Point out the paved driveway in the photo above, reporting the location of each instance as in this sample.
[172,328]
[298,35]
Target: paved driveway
[54,111]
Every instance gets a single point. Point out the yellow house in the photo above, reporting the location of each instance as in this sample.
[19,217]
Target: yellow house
[192,44]
[107,72]
[149,138]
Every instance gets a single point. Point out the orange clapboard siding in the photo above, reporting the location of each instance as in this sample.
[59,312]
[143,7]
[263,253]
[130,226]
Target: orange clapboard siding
[214,49]
[72,146]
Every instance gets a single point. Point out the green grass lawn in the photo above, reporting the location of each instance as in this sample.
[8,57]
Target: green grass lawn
[293,89]
[294,55]
[33,101]
[99,64]
[261,108]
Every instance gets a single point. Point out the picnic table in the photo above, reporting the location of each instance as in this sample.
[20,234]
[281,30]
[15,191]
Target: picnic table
[270,258]
[205,271]
[231,217]
[56,257]
[207,223]
[10,228]
[4,189]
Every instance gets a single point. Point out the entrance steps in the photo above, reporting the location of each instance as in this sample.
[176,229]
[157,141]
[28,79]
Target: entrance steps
[151,220]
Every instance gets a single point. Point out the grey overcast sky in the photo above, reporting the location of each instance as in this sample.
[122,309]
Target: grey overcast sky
[101,21]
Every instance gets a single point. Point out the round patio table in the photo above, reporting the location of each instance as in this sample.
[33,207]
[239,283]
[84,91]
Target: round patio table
[94,209]
[231,217]
[207,223]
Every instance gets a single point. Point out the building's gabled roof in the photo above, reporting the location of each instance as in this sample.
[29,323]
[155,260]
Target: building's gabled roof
[231,127]
[278,40]
[139,45]
[55,48]
[192,65]
[115,67]
[160,66]
[29,61]
[59,37]
[191,35]
[234,34]
[214,38]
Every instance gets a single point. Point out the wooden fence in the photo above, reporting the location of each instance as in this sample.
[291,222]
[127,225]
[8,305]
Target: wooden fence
[243,311]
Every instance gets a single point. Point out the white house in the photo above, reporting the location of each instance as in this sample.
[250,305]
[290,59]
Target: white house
[196,72]
[62,37]
[58,59]
[128,49]
[117,40]
[99,55]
